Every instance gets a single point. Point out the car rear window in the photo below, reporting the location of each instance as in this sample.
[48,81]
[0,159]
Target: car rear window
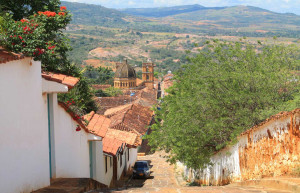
[140,165]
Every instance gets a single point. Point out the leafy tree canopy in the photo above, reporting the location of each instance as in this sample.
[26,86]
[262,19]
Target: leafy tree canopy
[24,8]
[226,89]
[100,75]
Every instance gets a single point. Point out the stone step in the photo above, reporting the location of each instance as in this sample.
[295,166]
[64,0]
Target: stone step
[284,184]
[71,185]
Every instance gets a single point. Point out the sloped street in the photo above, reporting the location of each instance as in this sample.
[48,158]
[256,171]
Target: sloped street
[163,180]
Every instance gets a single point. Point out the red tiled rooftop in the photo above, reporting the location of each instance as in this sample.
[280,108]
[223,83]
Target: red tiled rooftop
[61,78]
[127,137]
[112,111]
[111,102]
[135,118]
[98,124]
[89,116]
[6,56]
[138,82]
[112,145]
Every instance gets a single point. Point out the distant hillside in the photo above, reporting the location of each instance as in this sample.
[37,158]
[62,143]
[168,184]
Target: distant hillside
[247,18]
[240,16]
[87,14]
[97,15]
[236,20]
[162,11]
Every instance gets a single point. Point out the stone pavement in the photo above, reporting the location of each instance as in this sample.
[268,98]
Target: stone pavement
[163,180]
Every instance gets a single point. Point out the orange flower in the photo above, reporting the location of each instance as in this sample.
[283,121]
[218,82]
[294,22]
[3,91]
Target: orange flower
[61,13]
[63,8]
[48,13]
[24,20]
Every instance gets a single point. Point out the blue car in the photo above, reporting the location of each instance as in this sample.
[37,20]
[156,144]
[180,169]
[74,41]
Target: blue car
[141,169]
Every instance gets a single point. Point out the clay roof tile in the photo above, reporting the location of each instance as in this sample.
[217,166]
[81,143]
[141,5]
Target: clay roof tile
[61,78]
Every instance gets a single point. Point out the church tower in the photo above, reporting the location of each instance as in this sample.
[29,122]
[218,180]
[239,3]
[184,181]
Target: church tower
[148,74]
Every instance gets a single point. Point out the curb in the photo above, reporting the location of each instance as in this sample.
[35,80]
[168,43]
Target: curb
[279,184]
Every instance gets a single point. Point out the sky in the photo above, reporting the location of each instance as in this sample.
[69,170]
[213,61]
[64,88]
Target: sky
[282,6]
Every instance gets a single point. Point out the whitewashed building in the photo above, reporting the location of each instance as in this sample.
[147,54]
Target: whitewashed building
[24,145]
[39,139]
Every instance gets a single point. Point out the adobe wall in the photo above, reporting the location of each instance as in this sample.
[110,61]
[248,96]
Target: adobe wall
[269,149]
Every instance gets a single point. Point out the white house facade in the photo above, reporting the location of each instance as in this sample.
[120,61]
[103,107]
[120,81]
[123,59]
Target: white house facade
[39,139]
[24,146]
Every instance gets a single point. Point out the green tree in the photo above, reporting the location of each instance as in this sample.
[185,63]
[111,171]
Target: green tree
[112,91]
[99,75]
[225,90]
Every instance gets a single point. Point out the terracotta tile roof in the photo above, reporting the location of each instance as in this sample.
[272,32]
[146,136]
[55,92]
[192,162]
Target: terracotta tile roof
[89,116]
[105,103]
[146,97]
[6,56]
[129,138]
[135,118]
[138,82]
[112,145]
[98,124]
[112,111]
[273,118]
[101,86]
[73,115]
[61,78]
[168,76]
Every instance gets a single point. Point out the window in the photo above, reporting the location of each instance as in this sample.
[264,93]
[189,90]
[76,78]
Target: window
[120,160]
[105,164]
[110,161]
[128,153]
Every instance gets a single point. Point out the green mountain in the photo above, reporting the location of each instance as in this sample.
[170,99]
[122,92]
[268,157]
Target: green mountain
[162,11]
[236,18]
[235,21]
[240,16]
[88,14]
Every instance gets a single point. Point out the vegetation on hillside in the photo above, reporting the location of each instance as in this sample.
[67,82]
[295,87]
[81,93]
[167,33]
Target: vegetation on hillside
[162,11]
[237,20]
[88,14]
[226,89]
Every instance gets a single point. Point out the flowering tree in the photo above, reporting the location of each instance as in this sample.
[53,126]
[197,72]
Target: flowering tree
[39,36]
[35,28]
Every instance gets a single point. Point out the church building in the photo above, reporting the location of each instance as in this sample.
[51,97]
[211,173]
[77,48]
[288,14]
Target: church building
[125,76]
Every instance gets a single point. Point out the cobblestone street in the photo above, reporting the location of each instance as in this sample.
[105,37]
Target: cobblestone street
[163,180]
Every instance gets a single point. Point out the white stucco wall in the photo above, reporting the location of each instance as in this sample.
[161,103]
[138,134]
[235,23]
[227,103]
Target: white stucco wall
[99,164]
[71,146]
[24,151]
[106,177]
[132,158]
[121,168]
